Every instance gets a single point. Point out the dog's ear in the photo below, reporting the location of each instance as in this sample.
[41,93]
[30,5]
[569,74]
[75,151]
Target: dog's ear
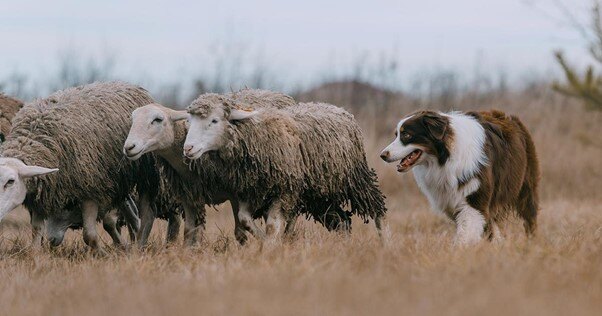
[435,124]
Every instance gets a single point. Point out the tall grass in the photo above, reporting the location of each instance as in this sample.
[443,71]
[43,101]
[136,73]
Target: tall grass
[416,271]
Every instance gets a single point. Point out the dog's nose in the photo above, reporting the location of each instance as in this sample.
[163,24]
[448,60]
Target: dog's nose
[384,155]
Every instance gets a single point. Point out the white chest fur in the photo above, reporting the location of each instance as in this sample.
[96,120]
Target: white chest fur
[441,184]
[442,188]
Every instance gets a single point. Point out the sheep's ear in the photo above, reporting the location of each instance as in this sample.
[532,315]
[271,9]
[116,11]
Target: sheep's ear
[178,115]
[32,171]
[237,115]
[174,115]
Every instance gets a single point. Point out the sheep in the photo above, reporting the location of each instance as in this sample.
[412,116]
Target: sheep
[304,158]
[163,206]
[58,223]
[155,129]
[8,108]
[80,131]
[329,214]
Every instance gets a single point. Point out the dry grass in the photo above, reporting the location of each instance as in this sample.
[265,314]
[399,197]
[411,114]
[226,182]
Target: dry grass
[415,272]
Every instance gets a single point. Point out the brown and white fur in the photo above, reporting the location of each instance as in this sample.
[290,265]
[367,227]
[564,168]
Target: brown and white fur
[475,167]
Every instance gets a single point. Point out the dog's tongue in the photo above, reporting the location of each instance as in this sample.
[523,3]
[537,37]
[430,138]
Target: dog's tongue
[407,162]
[404,165]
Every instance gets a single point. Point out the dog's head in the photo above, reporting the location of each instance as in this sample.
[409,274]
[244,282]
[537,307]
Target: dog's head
[417,137]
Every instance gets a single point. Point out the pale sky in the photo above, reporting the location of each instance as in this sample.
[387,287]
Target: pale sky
[167,40]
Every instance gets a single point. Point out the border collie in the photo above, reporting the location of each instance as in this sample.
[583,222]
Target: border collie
[475,167]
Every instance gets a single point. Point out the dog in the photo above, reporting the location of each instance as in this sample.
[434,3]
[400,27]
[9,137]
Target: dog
[475,167]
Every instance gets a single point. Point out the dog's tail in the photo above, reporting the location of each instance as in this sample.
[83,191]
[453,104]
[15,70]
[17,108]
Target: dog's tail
[528,201]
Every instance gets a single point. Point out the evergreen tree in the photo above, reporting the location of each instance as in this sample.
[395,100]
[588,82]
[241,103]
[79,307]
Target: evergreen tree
[587,87]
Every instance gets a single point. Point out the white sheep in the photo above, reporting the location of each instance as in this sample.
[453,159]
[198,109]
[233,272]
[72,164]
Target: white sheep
[155,129]
[305,158]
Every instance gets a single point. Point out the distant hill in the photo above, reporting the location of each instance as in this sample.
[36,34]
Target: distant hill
[348,93]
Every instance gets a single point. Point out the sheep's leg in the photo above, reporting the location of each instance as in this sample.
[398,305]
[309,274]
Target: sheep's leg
[173,227]
[129,210]
[246,220]
[239,230]
[89,215]
[37,229]
[335,218]
[130,214]
[382,227]
[194,223]
[290,225]
[132,233]
[147,217]
[274,221]
[109,223]
[378,222]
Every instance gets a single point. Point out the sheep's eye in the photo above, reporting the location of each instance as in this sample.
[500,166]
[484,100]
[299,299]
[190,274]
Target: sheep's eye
[9,183]
[214,121]
[157,120]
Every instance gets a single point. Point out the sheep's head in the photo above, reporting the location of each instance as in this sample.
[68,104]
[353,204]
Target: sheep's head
[152,129]
[13,179]
[58,223]
[210,117]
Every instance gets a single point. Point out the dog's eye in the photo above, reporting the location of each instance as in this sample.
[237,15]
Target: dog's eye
[405,135]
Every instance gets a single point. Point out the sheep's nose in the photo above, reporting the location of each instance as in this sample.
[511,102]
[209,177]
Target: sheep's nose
[129,147]
[55,241]
[187,149]
[384,155]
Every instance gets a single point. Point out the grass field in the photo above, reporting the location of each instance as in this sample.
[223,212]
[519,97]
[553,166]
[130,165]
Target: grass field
[416,271]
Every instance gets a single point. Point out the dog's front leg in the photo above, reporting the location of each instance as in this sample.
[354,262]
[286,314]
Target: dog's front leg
[470,224]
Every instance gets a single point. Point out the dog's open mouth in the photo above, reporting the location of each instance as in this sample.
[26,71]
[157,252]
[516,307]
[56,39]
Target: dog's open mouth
[408,161]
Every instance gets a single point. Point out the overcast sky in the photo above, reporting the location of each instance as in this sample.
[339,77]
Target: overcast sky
[172,39]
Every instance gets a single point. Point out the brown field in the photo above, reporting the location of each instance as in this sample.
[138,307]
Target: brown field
[416,271]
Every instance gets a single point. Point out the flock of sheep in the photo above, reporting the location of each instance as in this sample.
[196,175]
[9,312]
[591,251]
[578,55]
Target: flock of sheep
[108,152]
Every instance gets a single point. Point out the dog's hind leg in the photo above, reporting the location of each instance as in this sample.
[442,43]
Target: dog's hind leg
[527,206]
[493,232]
